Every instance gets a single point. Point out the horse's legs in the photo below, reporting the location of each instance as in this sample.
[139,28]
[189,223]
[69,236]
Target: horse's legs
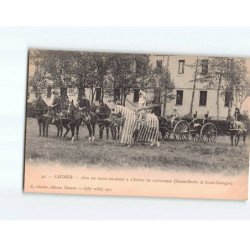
[40,128]
[58,130]
[72,127]
[67,130]
[113,129]
[237,138]
[43,128]
[61,127]
[107,132]
[244,138]
[90,130]
[77,130]
[93,131]
[100,131]
[46,129]
[232,139]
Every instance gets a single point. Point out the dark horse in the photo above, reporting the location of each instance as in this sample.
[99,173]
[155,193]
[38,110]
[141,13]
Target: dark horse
[104,121]
[237,129]
[41,121]
[73,121]
[89,119]
[50,119]
[108,120]
[44,116]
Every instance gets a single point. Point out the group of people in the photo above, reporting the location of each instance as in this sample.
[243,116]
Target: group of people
[142,107]
[60,103]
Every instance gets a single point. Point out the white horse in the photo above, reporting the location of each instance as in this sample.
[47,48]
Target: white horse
[138,128]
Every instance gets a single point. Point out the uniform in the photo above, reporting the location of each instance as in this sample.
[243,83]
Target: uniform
[104,111]
[84,103]
[56,104]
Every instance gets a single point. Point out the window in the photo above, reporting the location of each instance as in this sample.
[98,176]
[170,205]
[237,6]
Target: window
[181,66]
[227,96]
[203,98]
[63,91]
[136,95]
[204,67]
[179,97]
[28,95]
[159,63]
[98,94]
[49,90]
[117,95]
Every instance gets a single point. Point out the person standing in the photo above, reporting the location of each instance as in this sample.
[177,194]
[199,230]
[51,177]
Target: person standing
[173,116]
[142,101]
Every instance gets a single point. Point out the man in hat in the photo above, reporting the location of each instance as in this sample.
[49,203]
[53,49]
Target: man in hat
[104,110]
[84,103]
[56,104]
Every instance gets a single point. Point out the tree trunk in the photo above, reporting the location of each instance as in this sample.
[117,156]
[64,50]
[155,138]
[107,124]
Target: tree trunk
[194,87]
[92,94]
[124,99]
[218,96]
[81,91]
[231,82]
[164,103]
[102,95]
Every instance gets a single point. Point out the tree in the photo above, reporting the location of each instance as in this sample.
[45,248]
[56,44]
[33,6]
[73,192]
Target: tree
[229,77]
[194,66]
[162,86]
[126,72]
[82,71]
[216,78]
[50,67]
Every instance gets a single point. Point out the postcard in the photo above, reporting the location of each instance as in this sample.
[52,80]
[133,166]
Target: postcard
[137,125]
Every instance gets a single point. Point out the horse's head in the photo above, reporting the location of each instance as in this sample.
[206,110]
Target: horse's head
[116,109]
[85,115]
[97,110]
[231,122]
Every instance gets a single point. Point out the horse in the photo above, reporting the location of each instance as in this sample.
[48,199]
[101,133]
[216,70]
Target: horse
[72,119]
[106,120]
[50,119]
[40,120]
[89,119]
[237,129]
[117,122]
[138,127]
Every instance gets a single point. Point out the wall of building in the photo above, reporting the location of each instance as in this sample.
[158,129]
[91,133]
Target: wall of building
[184,82]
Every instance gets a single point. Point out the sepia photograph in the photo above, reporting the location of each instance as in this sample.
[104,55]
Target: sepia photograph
[137,124]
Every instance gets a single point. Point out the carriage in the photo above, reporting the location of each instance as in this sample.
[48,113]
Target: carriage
[202,129]
[185,129]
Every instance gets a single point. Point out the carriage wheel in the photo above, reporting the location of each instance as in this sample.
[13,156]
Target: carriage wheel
[181,131]
[166,135]
[195,136]
[208,132]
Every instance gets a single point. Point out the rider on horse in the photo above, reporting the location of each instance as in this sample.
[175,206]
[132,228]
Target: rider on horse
[104,110]
[56,105]
[84,103]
